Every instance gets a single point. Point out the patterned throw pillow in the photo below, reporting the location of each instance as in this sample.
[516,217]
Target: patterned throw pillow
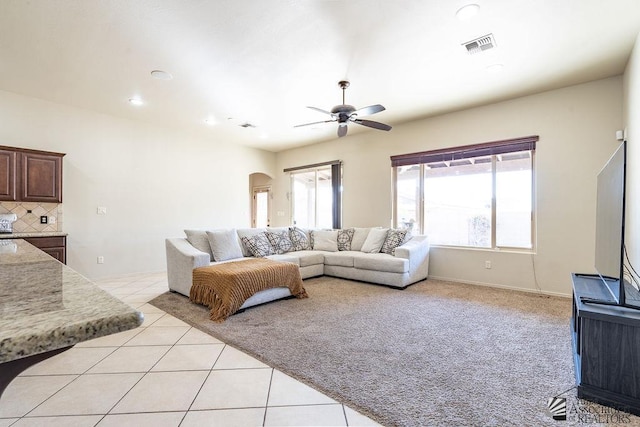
[395,237]
[344,239]
[299,239]
[258,245]
[280,241]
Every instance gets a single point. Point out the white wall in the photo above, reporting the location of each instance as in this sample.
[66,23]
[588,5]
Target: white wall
[632,124]
[154,182]
[577,128]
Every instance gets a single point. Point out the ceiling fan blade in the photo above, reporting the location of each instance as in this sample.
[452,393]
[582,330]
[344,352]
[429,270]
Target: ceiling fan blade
[372,124]
[371,109]
[321,110]
[314,123]
[342,130]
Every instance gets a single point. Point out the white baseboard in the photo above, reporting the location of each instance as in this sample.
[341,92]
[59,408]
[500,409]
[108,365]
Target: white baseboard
[493,285]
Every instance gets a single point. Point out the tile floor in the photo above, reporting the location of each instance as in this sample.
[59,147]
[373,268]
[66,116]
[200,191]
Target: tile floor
[164,373]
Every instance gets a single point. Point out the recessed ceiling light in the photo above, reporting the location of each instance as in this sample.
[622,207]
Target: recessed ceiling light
[467,12]
[136,101]
[161,75]
[495,68]
[210,121]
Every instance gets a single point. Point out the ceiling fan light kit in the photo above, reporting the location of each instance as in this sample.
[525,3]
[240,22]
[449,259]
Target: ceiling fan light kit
[344,114]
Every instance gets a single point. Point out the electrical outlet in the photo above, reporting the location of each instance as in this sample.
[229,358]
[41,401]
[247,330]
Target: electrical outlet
[100,260]
[44,219]
[487,265]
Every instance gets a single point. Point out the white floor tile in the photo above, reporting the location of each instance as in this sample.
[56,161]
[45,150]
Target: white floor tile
[157,419]
[136,298]
[25,393]
[6,422]
[89,394]
[235,388]
[169,320]
[76,360]
[235,359]
[161,335]
[194,357]
[317,415]
[163,391]
[113,340]
[151,318]
[289,391]
[248,417]
[148,308]
[131,359]
[357,419]
[195,336]
[75,421]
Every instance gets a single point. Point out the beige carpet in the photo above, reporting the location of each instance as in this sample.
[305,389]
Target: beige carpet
[436,353]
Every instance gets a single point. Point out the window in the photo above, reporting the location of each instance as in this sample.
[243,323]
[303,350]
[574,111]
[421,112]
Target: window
[316,196]
[478,196]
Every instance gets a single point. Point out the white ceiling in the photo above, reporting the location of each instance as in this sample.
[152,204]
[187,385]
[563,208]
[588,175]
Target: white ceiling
[263,61]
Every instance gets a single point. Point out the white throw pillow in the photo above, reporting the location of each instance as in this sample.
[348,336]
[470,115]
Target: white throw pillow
[325,240]
[200,241]
[359,236]
[375,240]
[224,244]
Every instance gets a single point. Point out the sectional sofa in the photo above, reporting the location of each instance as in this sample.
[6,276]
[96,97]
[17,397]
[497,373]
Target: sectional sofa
[376,255]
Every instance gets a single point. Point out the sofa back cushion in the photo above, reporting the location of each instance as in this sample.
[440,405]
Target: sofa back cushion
[325,240]
[248,232]
[224,244]
[359,236]
[199,240]
[375,240]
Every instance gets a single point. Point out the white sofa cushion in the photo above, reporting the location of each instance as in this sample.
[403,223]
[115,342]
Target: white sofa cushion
[342,258]
[200,241]
[307,258]
[380,262]
[325,240]
[224,244]
[359,236]
[375,240]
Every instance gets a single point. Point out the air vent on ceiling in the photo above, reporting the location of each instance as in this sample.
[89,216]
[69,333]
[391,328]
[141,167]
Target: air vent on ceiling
[480,44]
[247,125]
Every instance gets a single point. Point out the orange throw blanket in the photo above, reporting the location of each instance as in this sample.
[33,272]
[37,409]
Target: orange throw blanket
[225,287]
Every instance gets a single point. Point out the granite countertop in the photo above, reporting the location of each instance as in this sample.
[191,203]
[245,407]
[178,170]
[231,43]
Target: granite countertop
[45,305]
[32,234]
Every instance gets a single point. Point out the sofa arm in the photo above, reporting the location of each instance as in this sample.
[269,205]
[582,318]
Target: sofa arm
[182,258]
[416,251]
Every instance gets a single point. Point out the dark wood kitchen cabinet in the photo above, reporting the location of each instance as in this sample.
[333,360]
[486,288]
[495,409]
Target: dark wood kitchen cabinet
[56,246]
[30,175]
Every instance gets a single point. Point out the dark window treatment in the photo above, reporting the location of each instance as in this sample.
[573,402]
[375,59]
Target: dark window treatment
[527,143]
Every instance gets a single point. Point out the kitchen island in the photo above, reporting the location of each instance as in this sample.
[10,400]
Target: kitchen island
[46,308]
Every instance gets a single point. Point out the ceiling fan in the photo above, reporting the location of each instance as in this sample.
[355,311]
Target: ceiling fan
[343,114]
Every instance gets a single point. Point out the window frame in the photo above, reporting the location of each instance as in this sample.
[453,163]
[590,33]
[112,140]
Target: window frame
[493,149]
[336,190]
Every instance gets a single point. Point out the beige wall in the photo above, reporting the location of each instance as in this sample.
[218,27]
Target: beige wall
[632,124]
[577,128]
[154,182]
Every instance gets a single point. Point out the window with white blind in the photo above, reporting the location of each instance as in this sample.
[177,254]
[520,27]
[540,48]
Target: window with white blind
[478,196]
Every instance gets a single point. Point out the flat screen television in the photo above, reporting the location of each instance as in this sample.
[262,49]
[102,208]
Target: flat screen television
[610,222]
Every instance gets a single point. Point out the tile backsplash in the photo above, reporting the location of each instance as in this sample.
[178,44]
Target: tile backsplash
[29,214]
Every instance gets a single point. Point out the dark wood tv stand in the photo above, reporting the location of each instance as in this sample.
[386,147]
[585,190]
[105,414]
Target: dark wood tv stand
[606,347]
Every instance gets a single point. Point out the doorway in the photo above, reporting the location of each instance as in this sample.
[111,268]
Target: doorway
[261,209]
